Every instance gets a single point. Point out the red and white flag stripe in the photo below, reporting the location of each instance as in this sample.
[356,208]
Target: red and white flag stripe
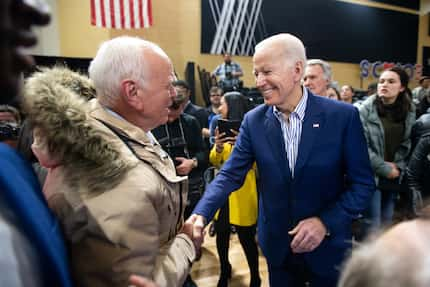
[121,14]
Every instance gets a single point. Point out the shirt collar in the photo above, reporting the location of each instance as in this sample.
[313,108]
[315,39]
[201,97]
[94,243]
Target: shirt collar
[115,114]
[118,116]
[300,108]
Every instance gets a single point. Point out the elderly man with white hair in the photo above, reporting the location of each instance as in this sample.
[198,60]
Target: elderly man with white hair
[317,76]
[314,170]
[113,188]
[397,258]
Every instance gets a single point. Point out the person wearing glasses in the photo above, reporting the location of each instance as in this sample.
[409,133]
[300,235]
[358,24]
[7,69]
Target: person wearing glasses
[181,137]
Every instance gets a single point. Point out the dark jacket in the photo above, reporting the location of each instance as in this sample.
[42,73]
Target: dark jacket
[199,113]
[421,127]
[193,140]
[423,106]
[418,171]
[20,191]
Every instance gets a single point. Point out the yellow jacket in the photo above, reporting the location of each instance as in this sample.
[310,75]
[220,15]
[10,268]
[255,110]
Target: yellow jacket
[243,204]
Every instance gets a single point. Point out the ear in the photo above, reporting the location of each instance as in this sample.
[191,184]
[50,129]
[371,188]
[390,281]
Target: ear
[298,71]
[130,95]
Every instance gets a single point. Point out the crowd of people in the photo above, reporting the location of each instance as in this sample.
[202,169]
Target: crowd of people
[106,181]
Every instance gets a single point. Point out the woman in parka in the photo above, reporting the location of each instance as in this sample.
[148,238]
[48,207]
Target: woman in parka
[387,119]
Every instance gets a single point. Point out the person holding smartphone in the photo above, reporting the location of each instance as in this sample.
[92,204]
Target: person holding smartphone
[241,208]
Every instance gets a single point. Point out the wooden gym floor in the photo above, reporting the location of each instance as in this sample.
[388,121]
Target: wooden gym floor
[206,271]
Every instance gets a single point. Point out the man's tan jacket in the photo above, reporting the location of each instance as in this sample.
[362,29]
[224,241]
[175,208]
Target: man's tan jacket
[115,193]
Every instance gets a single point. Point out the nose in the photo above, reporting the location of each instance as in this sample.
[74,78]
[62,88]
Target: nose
[260,80]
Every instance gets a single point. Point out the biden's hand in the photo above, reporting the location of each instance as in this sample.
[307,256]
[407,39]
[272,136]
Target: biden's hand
[307,235]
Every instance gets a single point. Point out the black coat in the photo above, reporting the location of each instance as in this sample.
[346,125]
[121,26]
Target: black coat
[193,141]
[418,170]
[199,113]
[421,127]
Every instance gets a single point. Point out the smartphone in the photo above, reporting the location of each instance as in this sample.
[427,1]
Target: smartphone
[225,126]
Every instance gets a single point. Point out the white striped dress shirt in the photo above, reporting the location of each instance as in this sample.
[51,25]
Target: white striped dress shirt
[292,129]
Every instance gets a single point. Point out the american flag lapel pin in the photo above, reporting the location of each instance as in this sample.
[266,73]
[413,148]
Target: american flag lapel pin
[316,125]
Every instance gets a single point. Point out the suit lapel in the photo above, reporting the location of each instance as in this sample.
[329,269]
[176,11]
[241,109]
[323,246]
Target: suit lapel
[312,125]
[276,140]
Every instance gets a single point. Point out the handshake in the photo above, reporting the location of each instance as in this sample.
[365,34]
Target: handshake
[194,227]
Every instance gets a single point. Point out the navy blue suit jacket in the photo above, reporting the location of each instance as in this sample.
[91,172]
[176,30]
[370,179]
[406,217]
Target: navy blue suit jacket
[333,179]
[20,188]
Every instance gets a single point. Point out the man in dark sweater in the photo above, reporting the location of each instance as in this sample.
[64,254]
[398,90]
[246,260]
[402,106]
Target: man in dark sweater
[181,138]
[183,90]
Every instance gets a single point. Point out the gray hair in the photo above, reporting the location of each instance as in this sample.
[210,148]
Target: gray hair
[390,260]
[118,59]
[293,48]
[324,66]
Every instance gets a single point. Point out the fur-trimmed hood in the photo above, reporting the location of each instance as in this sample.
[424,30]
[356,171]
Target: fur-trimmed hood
[55,101]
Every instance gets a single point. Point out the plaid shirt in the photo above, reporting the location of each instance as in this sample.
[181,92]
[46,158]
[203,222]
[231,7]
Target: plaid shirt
[222,72]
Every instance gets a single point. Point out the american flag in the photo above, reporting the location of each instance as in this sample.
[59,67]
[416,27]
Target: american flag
[121,14]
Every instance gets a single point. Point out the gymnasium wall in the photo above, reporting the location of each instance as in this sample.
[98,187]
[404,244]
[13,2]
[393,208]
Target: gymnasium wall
[177,29]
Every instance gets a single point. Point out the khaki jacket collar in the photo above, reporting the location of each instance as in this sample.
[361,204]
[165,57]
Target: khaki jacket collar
[149,152]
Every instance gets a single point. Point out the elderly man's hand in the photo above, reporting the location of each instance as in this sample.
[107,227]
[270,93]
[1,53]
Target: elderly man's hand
[308,235]
[194,228]
[139,281]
